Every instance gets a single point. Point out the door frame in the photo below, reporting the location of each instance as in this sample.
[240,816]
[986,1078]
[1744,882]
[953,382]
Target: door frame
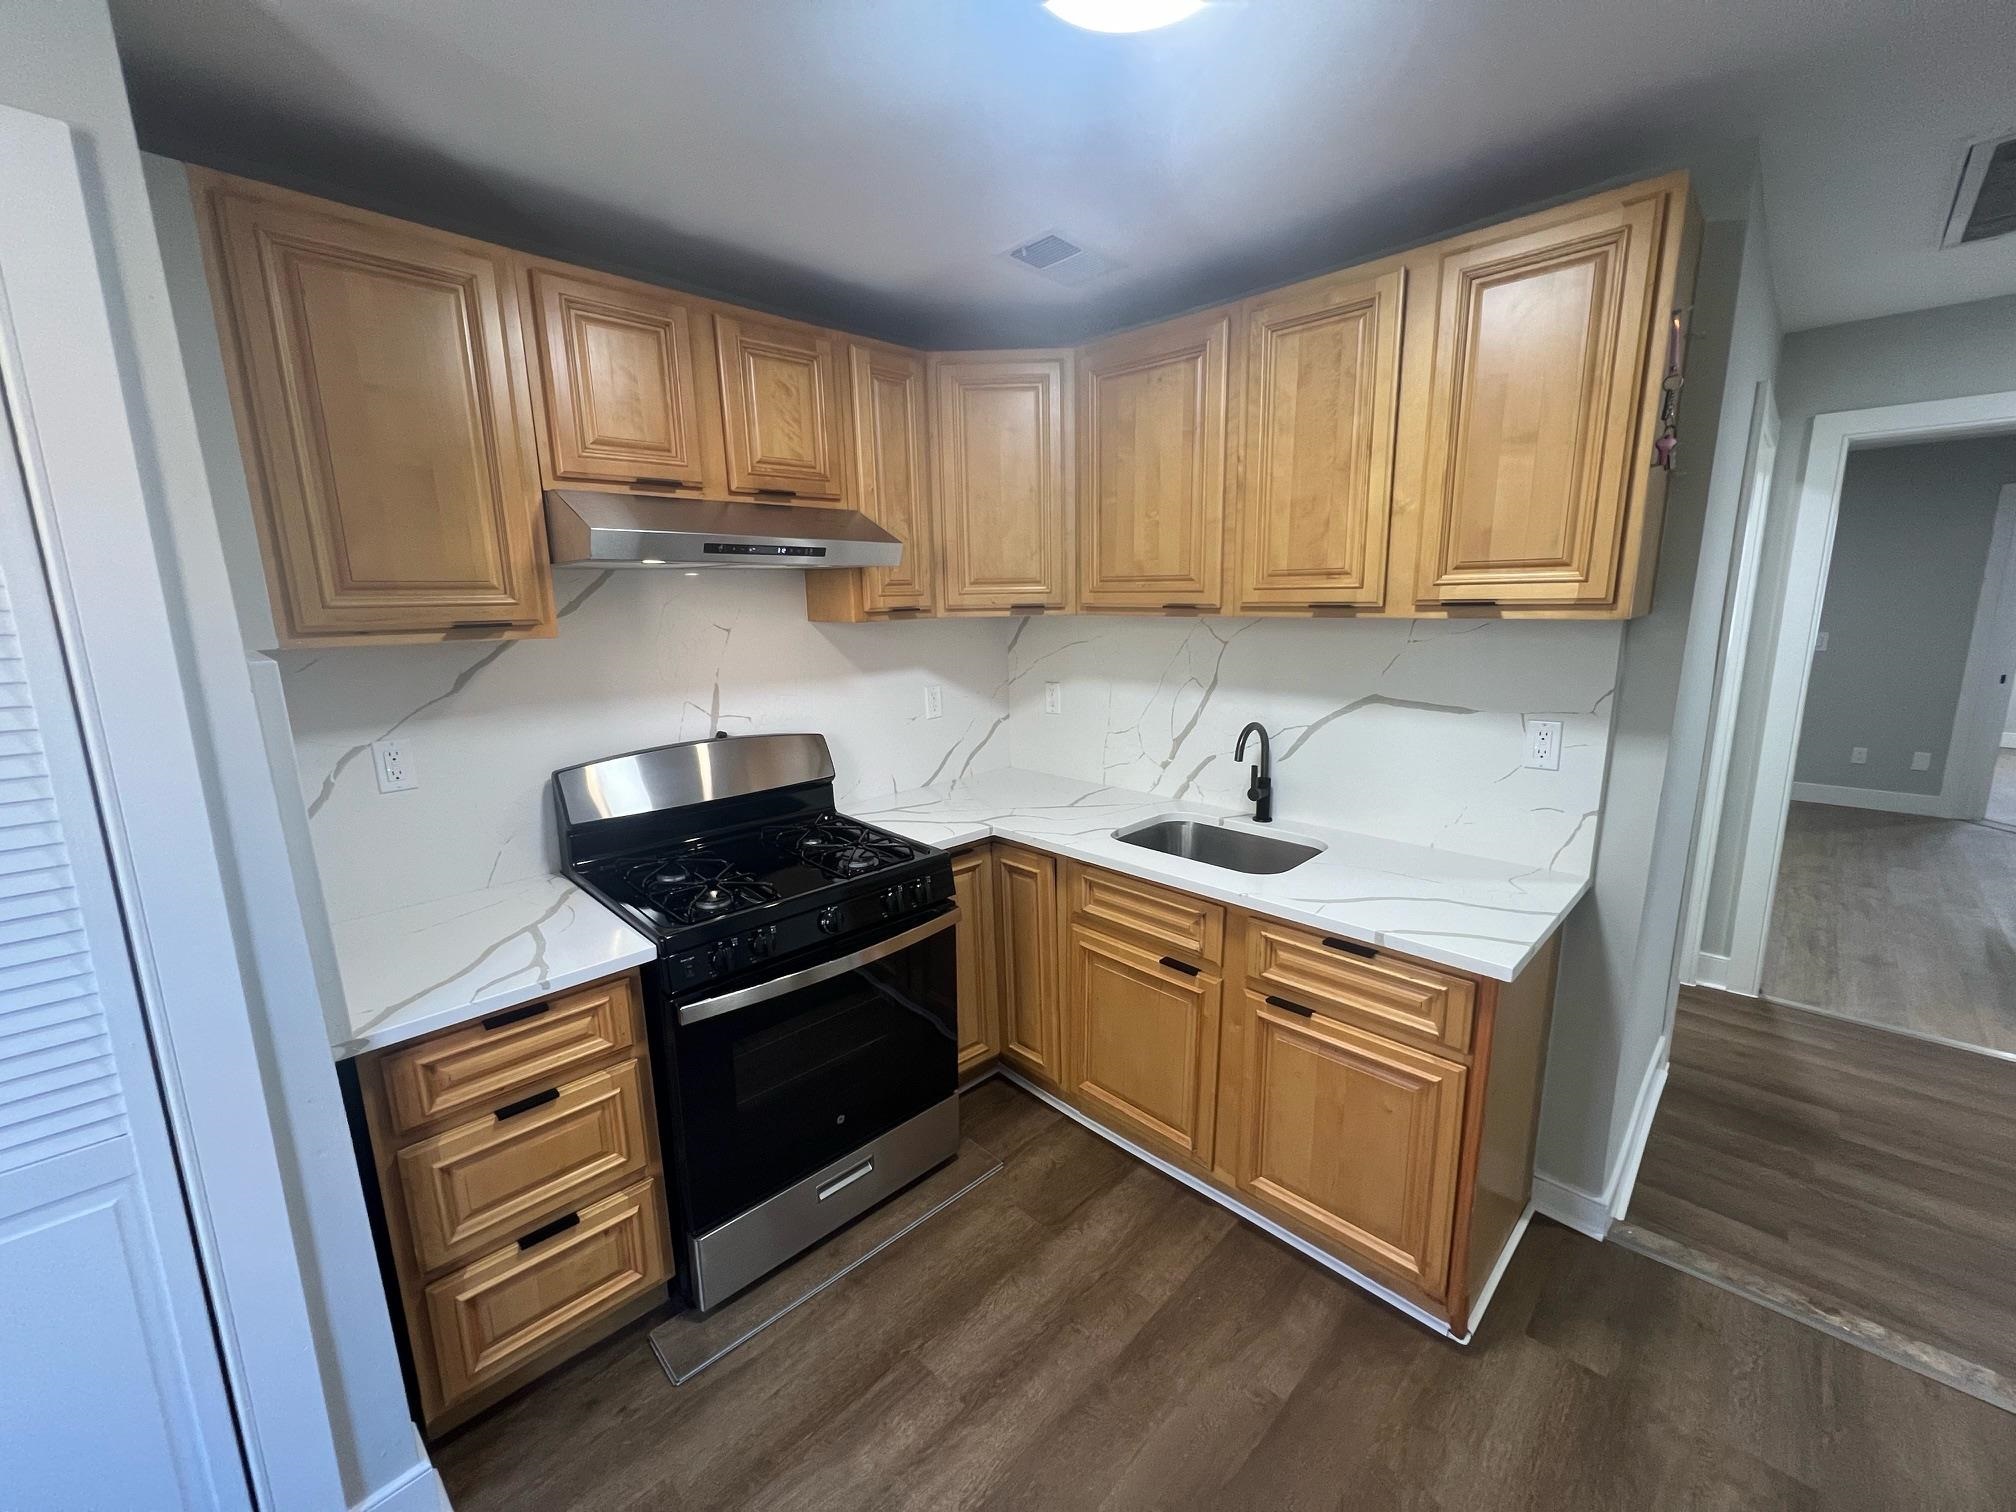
[1816,502]
[1979,715]
[74,389]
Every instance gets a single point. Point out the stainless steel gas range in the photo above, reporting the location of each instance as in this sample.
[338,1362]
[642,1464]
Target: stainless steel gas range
[802,1008]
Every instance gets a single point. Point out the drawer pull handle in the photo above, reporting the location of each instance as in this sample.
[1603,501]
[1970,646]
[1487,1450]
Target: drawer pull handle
[546,1231]
[1183,966]
[1351,947]
[776,493]
[1285,1005]
[1469,603]
[485,624]
[663,483]
[840,1184]
[527,1104]
[515,1015]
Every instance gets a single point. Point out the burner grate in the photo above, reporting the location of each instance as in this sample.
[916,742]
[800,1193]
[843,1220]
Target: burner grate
[693,886]
[839,847]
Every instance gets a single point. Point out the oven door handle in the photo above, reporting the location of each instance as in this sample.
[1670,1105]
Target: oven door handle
[811,976]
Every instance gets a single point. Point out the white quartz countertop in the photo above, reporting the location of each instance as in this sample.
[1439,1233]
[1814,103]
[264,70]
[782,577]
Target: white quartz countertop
[1475,914]
[413,970]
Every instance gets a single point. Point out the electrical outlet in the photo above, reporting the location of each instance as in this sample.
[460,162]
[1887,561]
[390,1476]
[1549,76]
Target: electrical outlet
[934,701]
[1858,755]
[1820,642]
[394,766]
[1543,744]
[1921,761]
[1053,698]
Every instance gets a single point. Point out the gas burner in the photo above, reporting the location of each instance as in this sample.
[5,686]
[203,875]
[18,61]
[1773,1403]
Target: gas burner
[697,885]
[839,847]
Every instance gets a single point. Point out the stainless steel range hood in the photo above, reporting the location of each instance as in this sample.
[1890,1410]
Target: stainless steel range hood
[651,530]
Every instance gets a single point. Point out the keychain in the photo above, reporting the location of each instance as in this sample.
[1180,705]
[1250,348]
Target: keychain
[1669,397]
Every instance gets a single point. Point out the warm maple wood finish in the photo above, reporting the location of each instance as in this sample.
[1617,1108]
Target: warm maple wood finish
[1025,942]
[379,377]
[889,451]
[1140,1035]
[621,374]
[1154,448]
[1543,403]
[999,422]
[1322,397]
[489,1063]
[514,1303]
[470,1188]
[781,407]
[1377,990]
[1112,903]
[979,987]
[1354,1137]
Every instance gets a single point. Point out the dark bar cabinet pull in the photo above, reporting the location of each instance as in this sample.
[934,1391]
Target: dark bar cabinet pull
[663,483]
[515,1015]
[1350,947]
[546,1231]
[1183,966]
[1288,1007]
[527,1104]
[776,493]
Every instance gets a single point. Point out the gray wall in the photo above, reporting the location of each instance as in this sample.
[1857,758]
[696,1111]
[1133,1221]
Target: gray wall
[1902,586]
[1619,951]
[1947,353]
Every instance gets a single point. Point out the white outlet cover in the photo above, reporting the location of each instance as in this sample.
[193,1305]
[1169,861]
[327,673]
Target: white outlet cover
[393,766]
[1053,698]
[1858,755]
[934,701]
[1921,761]
[1543,744]
[1820,641]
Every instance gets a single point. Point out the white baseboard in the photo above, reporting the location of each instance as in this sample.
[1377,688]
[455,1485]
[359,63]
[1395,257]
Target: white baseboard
[1582,1211]
[1926,805]
[1711,970]
[2009,740]
[418,1490]
[1587,1212]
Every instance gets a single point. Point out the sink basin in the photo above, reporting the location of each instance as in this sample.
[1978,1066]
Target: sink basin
[1232,849]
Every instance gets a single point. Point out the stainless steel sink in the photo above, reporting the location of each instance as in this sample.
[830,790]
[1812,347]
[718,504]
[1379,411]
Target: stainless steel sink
[1233,849]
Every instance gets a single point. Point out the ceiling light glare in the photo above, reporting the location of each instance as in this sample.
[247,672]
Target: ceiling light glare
[1122,15]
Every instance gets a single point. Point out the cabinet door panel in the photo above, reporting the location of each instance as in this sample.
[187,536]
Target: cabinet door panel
[1354,1138]
[1153,443]
[892,471]
[1142,1044]
[1322,396]
[1537,410]
[380,378]
[979,1004]
[1025,901]
[617,364]
[780,407]
[1003,496]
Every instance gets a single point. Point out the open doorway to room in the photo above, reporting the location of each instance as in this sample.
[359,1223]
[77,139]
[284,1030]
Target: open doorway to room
[1895,892]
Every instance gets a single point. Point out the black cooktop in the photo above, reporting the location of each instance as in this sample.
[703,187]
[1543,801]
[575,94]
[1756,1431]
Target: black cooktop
[734,873]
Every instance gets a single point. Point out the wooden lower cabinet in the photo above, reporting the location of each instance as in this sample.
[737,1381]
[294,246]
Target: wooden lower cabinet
[1025,938]
[516,1179]
[1351,1137]
[1141,1043]
[979,1001]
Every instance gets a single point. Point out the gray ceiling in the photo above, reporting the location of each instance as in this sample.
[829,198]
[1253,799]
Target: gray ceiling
[867,161]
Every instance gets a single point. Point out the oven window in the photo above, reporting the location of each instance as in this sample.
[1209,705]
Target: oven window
[772,1092]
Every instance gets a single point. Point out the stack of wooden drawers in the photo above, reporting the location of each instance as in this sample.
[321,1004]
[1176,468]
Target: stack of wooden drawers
[518,1168]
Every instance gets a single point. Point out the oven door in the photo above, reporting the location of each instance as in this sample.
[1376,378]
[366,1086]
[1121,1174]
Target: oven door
[782,1078]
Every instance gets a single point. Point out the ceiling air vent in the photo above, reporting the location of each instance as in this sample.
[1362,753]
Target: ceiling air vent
[1061,260]
[1984,204]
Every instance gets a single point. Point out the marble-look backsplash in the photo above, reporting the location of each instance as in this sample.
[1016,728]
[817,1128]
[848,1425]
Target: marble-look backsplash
[1410,730]
[643,658]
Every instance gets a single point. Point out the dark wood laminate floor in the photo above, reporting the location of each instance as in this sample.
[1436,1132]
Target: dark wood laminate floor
[1083,1332]
[1870,1175]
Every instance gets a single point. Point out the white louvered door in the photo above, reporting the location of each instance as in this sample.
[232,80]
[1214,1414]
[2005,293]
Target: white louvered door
[111,1390]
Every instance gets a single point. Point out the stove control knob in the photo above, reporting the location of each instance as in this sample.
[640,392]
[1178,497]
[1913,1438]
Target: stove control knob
[762,940]
[892,900]
[915,892]
[722,957]
[829,920]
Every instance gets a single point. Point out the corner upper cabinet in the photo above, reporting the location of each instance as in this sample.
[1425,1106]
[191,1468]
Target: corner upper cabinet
[1000,428]
[623,369]
[1549,343]
[781,408]
[379,377]
[1322,397]
[889,454]
[1154,444]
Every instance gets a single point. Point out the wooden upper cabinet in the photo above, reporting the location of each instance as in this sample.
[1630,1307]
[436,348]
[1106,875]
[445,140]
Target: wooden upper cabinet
[1322,395]
[1543,403]
[621,376]
[1004,505]
[1153,442]
[378,371]
[780,407]
[892,471]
